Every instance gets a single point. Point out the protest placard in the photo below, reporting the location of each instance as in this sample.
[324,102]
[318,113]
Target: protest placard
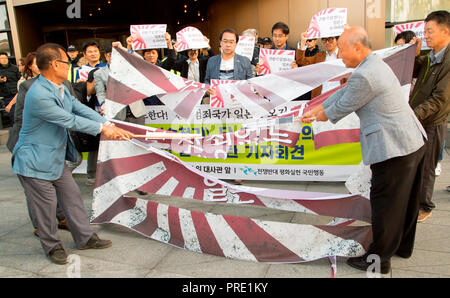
[273,61]
[246,46]
[149,36]
[84,72]
[221,98]
[191,38]
[328,23]
[417,27]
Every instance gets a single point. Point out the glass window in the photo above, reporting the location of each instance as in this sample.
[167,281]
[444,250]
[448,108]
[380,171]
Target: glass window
[4,43]
[4,22]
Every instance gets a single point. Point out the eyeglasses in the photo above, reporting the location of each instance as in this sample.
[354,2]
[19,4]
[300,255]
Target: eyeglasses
[66,62]
[225,41]
[328,39]
[310,40]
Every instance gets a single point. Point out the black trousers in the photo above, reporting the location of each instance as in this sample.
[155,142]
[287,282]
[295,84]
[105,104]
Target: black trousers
[394,198]
[436,137]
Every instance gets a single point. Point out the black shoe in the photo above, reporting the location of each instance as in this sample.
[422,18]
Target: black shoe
[140,192]
[58,255]
[96,243]
[361,264]
[403,255]
[62,224]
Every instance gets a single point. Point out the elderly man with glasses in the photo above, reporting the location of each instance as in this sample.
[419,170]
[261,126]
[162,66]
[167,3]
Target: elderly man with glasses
[44,144]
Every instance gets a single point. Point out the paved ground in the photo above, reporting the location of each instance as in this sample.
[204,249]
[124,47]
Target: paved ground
[132,255]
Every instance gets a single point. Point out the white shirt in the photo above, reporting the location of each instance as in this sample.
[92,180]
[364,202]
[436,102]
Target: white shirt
[330,85]
[194,70]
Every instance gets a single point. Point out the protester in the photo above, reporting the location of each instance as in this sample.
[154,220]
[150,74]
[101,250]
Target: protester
[31,72]
[91,52]
[430,99]
[88,97]
[49,112]
[72,52]
[280,35]
[228,65]
[9,76]
[268,43]
[331,53]
[392,143]
[309,54]
[253,33]
[193,68]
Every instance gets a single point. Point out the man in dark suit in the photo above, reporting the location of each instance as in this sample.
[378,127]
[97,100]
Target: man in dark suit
[193,68]
[392,143]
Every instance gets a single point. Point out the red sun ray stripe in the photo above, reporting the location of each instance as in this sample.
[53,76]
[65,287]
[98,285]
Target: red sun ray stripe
[152,72]
[112,168]
[354,207]
[261,244]
[120,93]
[205,235]
[340,136]
[150,224]
[176,235]
[119,206]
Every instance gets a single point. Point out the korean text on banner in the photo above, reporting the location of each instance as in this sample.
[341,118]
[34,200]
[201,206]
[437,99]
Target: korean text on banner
[246,46]
[273,61]
[149,36]
[191,38]
[328,23]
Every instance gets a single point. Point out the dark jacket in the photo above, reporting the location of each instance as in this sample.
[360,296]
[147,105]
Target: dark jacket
[430,98]
[182,66]
[12,74]
[309,57]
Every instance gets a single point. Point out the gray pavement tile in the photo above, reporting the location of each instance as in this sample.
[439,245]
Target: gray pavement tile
[426,231]
[401,273]
[93,267]
[220,268]
[23,258]
[437,245]
[7,272]
[129,249]
[423,261]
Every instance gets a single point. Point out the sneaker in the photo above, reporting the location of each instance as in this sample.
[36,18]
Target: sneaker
[96,243]
[423,215]
[58,255]
[90,181]
[62,224]
[438,170]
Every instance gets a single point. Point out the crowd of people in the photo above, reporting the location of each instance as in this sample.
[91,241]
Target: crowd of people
[56,114]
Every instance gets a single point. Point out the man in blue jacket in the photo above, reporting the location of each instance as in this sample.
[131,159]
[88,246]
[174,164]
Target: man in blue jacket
[44,145]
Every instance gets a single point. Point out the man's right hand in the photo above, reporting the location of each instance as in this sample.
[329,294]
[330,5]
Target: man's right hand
[114,133]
